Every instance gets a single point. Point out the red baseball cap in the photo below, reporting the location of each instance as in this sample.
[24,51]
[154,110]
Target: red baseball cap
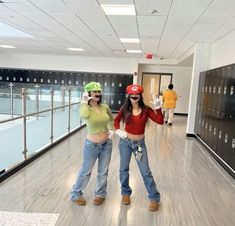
[134,89]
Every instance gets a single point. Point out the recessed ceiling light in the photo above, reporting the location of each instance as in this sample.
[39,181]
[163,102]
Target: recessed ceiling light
[130,40]
[76,49]
[7,47]
[133,51]
[119,9]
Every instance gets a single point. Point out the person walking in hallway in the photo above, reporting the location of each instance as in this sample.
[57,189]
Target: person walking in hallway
[134,113]
[98,144]
[169,104]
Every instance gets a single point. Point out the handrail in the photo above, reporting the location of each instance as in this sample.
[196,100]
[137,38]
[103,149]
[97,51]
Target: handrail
[36,113]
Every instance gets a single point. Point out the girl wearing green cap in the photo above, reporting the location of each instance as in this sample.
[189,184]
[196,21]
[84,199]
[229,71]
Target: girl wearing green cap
[98,144]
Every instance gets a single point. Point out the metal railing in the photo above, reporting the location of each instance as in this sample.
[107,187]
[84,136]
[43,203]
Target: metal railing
[52,109]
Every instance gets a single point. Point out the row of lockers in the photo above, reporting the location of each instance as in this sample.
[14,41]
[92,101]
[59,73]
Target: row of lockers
[110,82]
[217,89]
[215,117]
[114,100]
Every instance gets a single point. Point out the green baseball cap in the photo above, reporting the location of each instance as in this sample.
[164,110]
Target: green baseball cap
[93,86]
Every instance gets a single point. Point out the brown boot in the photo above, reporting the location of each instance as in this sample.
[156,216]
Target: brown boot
[126,200]
[153,206]
[80,201]
[98,200]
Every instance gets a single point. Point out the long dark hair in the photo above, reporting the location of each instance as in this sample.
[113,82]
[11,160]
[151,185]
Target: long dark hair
[127,108]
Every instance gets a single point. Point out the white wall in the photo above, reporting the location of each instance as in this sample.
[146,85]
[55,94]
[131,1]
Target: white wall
[223,51]
[69,63]
[181,80]
[201,62]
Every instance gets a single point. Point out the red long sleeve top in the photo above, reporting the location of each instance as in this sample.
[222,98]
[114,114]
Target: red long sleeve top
[136,123]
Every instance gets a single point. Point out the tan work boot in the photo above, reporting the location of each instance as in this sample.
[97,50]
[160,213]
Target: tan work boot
[98,200]
[80,201]
[153,206]
[126,200]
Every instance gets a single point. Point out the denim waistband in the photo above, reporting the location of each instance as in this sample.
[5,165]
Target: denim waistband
[98,144]
[141,141]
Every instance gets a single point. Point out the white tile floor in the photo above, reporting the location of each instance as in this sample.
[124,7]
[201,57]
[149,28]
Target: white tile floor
[195,189]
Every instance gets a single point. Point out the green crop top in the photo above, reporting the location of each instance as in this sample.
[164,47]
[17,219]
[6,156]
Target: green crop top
[97,122]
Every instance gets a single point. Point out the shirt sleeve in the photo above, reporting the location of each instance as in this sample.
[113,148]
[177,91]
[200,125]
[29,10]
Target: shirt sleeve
[156,117]
[117,120]
[111,121]
[176,97]
[84,110]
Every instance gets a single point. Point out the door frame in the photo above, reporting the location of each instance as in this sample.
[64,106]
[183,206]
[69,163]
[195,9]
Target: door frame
[156,73]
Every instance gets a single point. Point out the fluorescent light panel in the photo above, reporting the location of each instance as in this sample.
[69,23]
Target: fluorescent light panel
[7,47]
[133,51]
[119,9]
[129,40]
[75,49]
[8,31]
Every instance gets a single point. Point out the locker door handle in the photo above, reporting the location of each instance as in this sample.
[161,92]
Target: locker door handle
[233,143]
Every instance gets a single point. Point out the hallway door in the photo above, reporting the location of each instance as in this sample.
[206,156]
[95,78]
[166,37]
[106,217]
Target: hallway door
[151,84]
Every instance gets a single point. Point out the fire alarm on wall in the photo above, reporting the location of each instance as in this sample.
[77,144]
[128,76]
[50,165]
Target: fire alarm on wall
[149,56]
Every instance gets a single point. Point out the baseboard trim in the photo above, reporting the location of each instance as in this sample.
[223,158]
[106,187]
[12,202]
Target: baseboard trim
[190,135]
[4,174]
[183,114]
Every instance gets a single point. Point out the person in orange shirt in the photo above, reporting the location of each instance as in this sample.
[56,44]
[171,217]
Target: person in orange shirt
[169,104]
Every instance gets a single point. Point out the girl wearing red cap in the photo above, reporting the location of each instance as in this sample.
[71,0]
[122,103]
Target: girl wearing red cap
[134,113]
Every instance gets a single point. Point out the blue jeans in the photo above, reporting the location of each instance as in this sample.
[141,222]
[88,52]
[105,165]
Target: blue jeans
[92,151]
[126,148]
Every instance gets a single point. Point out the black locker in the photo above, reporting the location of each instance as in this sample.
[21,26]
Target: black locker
[226,90]
[230,97]
[129,80]
[232,145]
[113,101]
[100,79]
[27,77]
[78,79]
[198,122]
[120,98]
[227,138]
[1,75]
[20,76]
[42,77]
[56,78]
[93,77]
[85,78]
[209,84]
[107,83]
[45,77]
[64,78]
[8,75]
[204,124]
[34,76]
[114,82]
[13,76]
[121,83]
[49,77]
[199,105]
[106,99]
[71,79]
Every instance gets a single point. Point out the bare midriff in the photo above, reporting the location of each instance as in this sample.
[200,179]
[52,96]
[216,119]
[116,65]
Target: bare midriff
[98,137]
[135,137]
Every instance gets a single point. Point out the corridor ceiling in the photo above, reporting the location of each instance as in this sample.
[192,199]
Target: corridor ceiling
[166,28]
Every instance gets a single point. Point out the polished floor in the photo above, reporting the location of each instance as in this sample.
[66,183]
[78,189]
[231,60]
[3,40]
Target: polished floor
[195,190]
